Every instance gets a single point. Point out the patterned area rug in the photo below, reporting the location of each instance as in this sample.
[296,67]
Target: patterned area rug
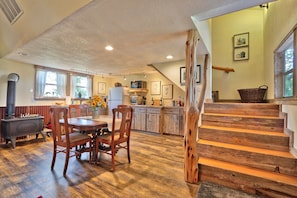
[210,190]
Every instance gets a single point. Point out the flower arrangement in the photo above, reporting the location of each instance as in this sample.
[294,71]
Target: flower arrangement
[96,102]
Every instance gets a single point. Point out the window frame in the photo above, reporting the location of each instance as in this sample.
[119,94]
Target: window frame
[67,84]
[279,68]
[89,88]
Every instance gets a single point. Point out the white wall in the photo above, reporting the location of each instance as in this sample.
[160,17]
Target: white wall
[24,87]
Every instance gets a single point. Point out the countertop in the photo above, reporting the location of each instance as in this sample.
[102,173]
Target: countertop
[160,107]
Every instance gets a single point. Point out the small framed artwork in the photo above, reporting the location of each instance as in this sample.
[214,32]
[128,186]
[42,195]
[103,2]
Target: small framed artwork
[241,40]
[183,75]
[241,53]
[198,74]
[167,91]
[101,88]
[156,88]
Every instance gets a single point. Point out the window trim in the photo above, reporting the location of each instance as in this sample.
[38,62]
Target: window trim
[68,83]
[279,72]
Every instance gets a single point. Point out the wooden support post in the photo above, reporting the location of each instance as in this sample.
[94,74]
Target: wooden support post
[191,113]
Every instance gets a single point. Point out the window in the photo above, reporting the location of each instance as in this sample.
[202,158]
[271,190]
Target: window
[288,71]
[81,86]
[285,68]
[57,84]
[50,84]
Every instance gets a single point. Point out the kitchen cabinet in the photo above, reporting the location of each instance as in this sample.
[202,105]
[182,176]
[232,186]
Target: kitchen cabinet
[181,121]
[139,118]
[153,119]
[171,121]
[167,120]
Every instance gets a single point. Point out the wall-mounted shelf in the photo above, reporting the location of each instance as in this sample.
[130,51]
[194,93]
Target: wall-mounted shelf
[138,90]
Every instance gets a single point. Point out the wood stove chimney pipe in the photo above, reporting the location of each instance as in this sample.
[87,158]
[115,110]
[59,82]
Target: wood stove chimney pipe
[10,100]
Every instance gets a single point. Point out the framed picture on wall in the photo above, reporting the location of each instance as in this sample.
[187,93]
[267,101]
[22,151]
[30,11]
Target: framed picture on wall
[183,75]
[156,88]
[241,40]
[167,91]
[101,88]
[241,53]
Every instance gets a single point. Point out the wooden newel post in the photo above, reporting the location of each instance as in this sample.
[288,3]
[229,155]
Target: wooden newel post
[191,112]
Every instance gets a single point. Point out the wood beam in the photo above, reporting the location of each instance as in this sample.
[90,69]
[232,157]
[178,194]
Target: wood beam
[191,113]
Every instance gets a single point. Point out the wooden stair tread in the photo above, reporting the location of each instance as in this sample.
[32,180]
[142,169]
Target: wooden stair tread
[239,115]
[286,179]
[240,130]
[241,104]
[247,148]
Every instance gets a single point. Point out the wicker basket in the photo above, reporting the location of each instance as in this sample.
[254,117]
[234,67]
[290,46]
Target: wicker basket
[253,95]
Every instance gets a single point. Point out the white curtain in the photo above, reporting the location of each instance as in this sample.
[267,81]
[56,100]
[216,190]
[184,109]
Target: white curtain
[89,89]
[61,85]
[40,83]
[74,86]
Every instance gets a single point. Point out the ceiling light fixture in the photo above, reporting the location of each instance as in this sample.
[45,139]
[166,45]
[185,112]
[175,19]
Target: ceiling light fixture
[264,6]
[109,48]
[169,57]
[22,54]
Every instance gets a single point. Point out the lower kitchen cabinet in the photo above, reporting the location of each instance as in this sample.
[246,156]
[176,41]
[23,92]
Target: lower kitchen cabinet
[153,119]
[171,121]
[164,120]
[139,118]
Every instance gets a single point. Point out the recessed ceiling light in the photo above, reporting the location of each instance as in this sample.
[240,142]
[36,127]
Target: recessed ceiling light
[109,48]
[22,54]
[169,57]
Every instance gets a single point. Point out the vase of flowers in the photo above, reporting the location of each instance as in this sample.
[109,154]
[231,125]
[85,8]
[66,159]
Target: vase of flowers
[96,103]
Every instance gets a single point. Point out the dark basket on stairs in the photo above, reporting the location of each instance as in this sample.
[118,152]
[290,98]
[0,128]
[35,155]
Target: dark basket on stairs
[253,95]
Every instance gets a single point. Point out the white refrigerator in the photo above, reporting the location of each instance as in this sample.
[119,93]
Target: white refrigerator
[117,96]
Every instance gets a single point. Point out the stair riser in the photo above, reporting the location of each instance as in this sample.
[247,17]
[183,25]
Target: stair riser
[246,139]
[246,183]
[263,124]
[256,160]
[243,109]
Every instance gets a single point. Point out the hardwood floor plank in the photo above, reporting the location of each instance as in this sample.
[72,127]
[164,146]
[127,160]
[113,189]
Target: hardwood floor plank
[156,170]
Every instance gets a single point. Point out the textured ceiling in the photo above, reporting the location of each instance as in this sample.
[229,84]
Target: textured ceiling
[141,32]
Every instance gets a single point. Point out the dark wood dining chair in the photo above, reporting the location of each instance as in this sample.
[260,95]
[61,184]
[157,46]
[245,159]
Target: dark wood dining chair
[116,139]
[65,140]
[121,106]
[76,110]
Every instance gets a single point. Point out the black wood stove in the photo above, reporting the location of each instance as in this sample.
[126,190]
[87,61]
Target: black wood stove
[16,127]
[12,127]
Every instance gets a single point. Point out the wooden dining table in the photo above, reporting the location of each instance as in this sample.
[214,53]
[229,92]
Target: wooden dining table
[86,124]
[90,125]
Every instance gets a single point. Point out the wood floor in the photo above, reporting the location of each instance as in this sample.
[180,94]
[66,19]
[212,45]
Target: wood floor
[156,170]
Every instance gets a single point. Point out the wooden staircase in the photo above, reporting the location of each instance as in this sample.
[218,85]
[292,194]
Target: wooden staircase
[243,146]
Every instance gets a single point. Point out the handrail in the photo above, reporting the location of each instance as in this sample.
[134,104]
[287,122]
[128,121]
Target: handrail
[226,69]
